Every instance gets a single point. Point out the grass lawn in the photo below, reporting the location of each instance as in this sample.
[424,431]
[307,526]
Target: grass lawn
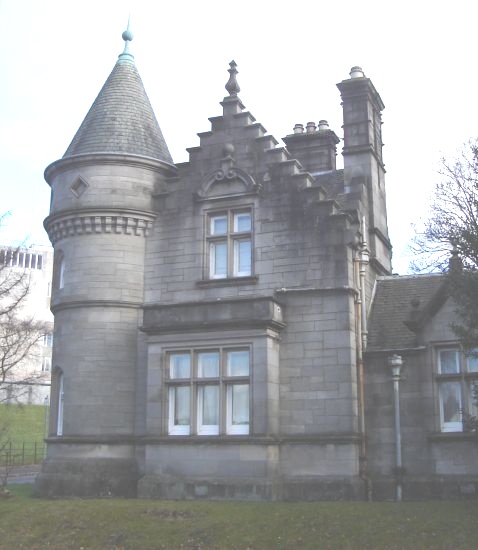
[23,422]
[138,524]
[22,429]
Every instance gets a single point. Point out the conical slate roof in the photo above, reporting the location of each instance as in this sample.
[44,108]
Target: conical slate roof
[121,119]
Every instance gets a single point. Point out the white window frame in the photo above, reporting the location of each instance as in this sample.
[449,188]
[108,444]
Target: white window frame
[456,352]
[207,429]
[197,383]
[177,429]
[450,426]
[60,404]
[463,378]
[48,339]
[231,428]
[212,260]
[61,274]
[46,364]
[59,270]
[231,239]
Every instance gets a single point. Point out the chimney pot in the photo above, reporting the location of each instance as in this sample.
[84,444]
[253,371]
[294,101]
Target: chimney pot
[311,127]
[356,72]
[323,125]
[299,129]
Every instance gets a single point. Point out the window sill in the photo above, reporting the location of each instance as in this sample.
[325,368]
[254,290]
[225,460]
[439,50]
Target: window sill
[453,436]
[229,281]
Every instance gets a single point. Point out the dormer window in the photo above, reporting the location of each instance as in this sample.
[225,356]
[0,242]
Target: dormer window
[229,244]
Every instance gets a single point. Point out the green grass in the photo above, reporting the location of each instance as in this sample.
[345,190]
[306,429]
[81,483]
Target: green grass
[138,524]
[22,429]
[23,422]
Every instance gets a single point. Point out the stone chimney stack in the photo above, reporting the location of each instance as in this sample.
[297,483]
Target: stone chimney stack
[364,171]
[315,147]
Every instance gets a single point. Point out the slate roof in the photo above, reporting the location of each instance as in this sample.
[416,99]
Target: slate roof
[399,300]
[121,119]
[332,181]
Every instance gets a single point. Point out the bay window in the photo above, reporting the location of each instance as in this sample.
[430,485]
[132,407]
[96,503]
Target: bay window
[208,391]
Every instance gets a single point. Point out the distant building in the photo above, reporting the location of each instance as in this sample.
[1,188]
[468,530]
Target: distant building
[224,326]
[30,382]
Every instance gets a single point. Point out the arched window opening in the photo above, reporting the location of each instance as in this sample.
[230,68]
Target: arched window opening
[60,402]
[59,270]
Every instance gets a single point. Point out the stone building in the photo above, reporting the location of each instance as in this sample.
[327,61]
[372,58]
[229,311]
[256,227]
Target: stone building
[211,316]
[29,381]
[411,317]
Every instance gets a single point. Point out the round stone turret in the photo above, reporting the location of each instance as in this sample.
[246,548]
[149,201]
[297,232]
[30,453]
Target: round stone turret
[102,210]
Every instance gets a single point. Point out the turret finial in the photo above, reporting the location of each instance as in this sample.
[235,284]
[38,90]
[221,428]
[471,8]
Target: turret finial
[232,86]
[127,37]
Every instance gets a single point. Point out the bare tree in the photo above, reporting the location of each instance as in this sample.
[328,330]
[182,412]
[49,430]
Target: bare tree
[19,335]
[449,240]
[19,344]
[449,243]
[452,223]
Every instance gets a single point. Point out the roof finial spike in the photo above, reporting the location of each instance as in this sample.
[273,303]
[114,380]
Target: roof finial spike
[127,36]
[232,86]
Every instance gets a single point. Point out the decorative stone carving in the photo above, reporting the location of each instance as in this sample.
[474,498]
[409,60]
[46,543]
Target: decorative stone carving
[238,182]
[79,186]
[73,224]
[232,85]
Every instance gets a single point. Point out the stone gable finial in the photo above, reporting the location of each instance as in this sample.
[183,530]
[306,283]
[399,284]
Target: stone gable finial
[232,86]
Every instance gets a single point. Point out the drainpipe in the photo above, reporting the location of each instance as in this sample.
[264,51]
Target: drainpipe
[395,362]
[362,260]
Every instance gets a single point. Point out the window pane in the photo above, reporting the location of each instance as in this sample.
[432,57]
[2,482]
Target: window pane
[208,364]
[180,365]
[240,405]
[218,253]
[218,225]
[60,404]
[473,398]
[449,361]
[238,363]
[48,339]
[46,364]
[242,257]
[473,361]
[450,402]
[181,406]
[61,277]
[242,221]
[210,405]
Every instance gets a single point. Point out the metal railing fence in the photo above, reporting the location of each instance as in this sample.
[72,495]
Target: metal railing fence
[21,453]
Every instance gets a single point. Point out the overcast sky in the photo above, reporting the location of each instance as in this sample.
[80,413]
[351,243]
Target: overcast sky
[56,55]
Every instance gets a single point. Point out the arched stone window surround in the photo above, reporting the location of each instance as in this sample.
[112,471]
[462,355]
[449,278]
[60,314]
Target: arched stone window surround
[58,400]
[224,175]
[59,270]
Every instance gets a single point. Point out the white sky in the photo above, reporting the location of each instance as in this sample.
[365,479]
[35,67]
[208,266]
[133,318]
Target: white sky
[56,55]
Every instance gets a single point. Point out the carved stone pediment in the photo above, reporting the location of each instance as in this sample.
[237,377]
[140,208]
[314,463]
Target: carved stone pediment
[227,181]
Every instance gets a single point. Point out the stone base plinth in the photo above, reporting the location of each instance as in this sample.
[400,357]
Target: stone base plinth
[87,477]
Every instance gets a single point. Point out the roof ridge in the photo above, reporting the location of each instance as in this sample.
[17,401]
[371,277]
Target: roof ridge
[409,276]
